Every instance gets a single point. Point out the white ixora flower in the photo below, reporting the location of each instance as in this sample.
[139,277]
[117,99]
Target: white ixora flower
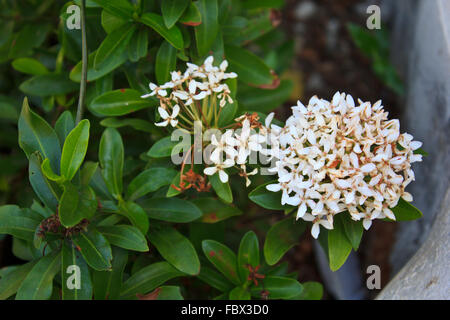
[220,168]
[172,119]
[341,157]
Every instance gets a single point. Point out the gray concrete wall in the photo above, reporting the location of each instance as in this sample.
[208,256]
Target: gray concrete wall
[421,50]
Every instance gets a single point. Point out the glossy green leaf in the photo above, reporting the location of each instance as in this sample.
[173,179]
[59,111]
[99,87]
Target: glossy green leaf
[95,249]
[120,8]
[74,149]
[278,288]
[114,45]
[265,100]
[124,236]
[214,279]
[48,85]
[111,156]
[206,32]
[239,293]
[138,46]
[222,258]
[135,123]
[265,198]
[250,68]
[136,214]
[120,102]
[215,211]
[192,16]
[68,206]
[311,291]
[87,172]
[339,247]
[148,278]
[11,281]
[223,190]
[107,284]
[111,22]
[38,284]
[64,125]
[48,172]
[353,229]
[29,66]
[405,211]
[172,11]
[43,188]
[248,255]
[35,134]
[156,22]
[148,181]
[173,210]
[166,60]
[175,248]
[17,222]
[72,257]
[169,293]
[281,237]
[165,147]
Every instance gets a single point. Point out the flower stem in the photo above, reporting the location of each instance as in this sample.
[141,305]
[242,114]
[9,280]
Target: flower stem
[84,63]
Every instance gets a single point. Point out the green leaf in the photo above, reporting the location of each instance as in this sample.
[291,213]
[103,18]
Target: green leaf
[95,73]
[11,281]
[135,214]
[18,223]
[166,61]
[265,100]
[87,172]
[95,249]
[148,278]
[172,11]
[120,8]
[250,68]
[265,198]
[114,45]
[311,291]
[405,211]
[215,211]
[148,181]
[135,123]
[214,279]
[68,206]
[48,172]
[29,66]
[248,255]
[192,16]
[48,85]
[172,35]
[240,293]
[120,102]
[353,229]
[339,247]
[278,287]
[124,236]
[32,35]
[64,125]
[257,4]
[138,46]
[206,32]
[35,134]
[223,190]
[72,257]
[175,248]
[281,237]
[74,150]
[46,192]
[173,210]
[38,284]
[222,258]
[111,22]
[165,147]
[111,156]
[169,293]
[107,284]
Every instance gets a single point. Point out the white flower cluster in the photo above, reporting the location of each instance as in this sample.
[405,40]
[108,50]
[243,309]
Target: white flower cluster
[187,89]
[336,156]
[235,146]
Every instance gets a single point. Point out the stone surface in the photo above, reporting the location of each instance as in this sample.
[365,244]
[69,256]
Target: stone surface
[421,50]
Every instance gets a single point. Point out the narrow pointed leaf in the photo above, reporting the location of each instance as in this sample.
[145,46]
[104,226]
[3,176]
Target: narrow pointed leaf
[124,236]
[95,249]
[222,258]
[72,257]
[74,149]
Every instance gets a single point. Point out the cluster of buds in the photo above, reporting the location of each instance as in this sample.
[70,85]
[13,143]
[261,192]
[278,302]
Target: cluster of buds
[198,94]
[336,157]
